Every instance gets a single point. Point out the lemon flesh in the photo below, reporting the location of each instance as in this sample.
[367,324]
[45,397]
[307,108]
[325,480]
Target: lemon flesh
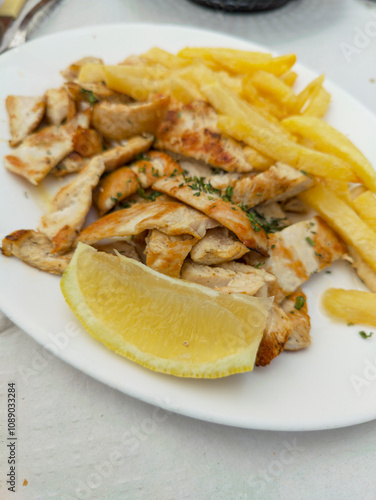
[165,324]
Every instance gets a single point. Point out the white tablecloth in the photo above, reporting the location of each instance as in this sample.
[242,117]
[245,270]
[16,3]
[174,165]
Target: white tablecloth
[80,439]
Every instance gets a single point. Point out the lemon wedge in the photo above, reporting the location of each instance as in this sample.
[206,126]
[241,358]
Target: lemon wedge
[165,324]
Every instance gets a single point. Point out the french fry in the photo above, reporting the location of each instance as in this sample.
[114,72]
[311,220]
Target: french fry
[226,102]
[181,89]
[281,149]
[344,220]
[289,78]
[319,104]
[136,81]
[250,94]
[207,52]
[160,56]
[340,188]
[353,306]
[242,63]
[276,89]
[91,73]
[309,91]
[365,206]
[329,140]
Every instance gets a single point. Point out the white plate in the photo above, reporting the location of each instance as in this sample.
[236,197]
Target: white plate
[307,390]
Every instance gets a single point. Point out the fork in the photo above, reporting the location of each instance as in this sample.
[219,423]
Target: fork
[31,21]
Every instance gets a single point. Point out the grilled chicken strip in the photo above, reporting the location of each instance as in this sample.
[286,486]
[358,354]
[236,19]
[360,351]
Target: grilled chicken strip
[166,253]
[94,92]
[87,142]
[217,246]
[70,207]
[59,106]
[300,250]
[278,330]
[213,206]
[41,151]
[170,217]
[295,307]
[36,249]
[277,183]
[120,121]
[229,279]
[25,114]
[69,165]
[125,181]
[191,130]
[122,247]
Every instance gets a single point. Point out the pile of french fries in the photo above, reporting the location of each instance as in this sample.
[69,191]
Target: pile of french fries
[253,94]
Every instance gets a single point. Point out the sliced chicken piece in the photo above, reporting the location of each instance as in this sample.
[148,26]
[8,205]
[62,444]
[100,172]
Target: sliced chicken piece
[94,92]
[59,106]
[203,198]
[300,250]
[166,253]
[224,278]
[276,183]
[87,142]
[121,155]
[240,267]
[120,121]
[124,181]
[365,273]
[170,217]
[42,151]
[278,330]
[295,307]
[217,246]
[115,187]
[191,130]
[122,247]
[69,165]
[271,211]
[219,180]
[193,168]
[25,114]
[295,205]
[36,249]
[70,207]
[154,165]
[72,71]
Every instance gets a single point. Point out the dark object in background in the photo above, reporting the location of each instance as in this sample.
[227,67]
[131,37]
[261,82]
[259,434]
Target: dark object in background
[242,5]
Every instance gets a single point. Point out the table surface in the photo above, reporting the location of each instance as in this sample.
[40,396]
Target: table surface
[78,438]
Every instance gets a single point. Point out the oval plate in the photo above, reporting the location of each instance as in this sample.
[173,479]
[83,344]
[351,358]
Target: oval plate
[316,388]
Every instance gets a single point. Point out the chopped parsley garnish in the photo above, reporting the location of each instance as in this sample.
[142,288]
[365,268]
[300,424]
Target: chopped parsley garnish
[365,335]
[269,225]
[257,266]
[142,156]
[90,96]
[152,196]
[310,241]
[299,302]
